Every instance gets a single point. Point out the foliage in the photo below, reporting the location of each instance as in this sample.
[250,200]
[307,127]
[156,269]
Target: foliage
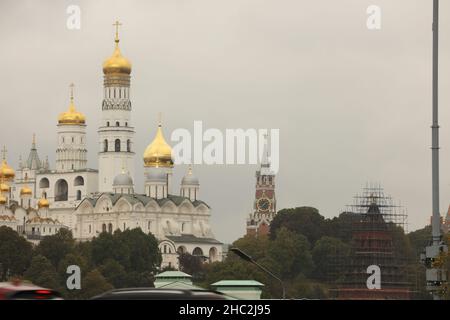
[57,246]
[15,253]
[192,265]
[93,284]
[329,254]
[42,273]
[303,220]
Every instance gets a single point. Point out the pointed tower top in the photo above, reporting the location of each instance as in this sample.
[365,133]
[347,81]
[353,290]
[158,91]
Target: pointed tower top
[265,163]
[117,24]
[159,119]
[4,151]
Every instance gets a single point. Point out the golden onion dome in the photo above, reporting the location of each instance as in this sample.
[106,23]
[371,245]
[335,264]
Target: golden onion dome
[71,116]
[4,188]
[26,191]
[117,64]
[43,203]
[6,172]
[158,153]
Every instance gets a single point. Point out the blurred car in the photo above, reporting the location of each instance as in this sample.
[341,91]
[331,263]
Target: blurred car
[17,290]
[161,294]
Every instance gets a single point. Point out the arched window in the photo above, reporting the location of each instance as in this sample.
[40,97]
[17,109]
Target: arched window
[79,181]
[110,228]
[90,229]
[197,252]
[107,124]
[105,146]
[61,190]
[117,145]
[128,145]
[103,227]
[117,124]
[78,194]
[181,249]
[212,254]
[44,183]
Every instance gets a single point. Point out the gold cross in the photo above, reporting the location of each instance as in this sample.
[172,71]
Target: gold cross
[71,91]
[117,24]
[159,118]
[4,152]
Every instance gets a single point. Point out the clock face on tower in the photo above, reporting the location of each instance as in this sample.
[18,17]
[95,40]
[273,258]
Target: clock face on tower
[263,204]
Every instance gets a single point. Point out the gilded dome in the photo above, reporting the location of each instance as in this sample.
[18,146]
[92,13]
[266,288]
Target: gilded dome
[26,191]
[158,153]
[2,199]
[43,203]
[72,116]
[6,172]
[117,63]
[4,188]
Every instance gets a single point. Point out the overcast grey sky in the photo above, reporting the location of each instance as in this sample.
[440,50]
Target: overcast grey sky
[352,105]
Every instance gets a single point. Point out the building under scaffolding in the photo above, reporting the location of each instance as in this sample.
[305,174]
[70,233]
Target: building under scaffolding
[374,226]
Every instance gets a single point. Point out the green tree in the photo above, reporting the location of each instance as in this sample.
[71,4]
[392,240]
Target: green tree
[291,251]
[192,265]
[57,246]
[329,254]
[106,247]
[144,254]
[114,273]
[15,253]
[42,273]
[133,249]
[256,247]
[302,220]
[93,284]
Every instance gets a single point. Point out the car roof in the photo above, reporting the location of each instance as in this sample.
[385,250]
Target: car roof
[159,293]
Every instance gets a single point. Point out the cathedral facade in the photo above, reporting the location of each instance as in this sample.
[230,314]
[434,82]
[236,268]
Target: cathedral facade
[37,200]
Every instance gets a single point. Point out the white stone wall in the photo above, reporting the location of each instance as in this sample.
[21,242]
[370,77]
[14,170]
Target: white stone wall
[89,186]
[168,220]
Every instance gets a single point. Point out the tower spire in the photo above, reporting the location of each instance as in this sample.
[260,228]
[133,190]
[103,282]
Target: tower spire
[4,151]
[33,143]
[71,86]
[117,24]
[265,163]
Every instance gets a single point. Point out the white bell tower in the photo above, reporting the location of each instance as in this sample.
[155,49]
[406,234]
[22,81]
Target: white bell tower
[115,132]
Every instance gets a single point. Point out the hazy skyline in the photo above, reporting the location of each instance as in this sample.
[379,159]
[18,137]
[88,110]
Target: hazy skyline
[353,105]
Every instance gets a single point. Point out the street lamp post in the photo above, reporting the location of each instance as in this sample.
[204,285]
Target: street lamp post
[247,258]
[436,274]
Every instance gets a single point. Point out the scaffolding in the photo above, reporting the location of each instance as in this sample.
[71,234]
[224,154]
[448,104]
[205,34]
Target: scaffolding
[374,228]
